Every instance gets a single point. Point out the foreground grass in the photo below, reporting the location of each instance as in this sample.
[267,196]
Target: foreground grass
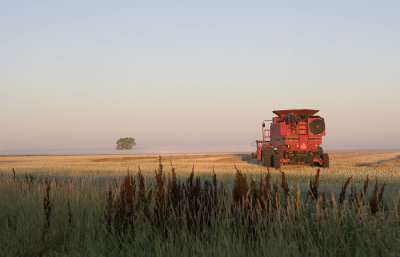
[194,217]
[381,165]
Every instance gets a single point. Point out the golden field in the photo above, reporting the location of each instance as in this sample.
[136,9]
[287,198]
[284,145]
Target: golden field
[382,165]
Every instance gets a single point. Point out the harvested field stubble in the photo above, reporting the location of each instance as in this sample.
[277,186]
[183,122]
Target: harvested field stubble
[382,165]
[171,216]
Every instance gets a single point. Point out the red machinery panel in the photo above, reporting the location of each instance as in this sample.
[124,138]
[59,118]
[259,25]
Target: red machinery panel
[295,136]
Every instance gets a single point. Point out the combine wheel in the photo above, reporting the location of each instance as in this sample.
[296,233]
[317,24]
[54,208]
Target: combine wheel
[276,161]
[267,154]
[320,151]
[325,160]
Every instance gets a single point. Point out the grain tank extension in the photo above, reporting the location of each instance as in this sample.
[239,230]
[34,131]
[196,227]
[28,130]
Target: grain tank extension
[294,137]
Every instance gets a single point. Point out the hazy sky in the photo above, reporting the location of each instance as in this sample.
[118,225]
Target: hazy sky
[195,74]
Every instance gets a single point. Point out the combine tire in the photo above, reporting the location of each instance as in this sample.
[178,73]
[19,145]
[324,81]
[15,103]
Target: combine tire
[320,151]
[267,154]
[276,161]
[325,160]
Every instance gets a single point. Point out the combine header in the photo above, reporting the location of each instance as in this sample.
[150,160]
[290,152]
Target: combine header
[294,137]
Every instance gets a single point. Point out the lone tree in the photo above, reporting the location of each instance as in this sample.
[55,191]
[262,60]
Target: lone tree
[125,143]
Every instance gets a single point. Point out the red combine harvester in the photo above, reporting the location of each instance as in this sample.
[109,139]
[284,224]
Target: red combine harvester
[294,137]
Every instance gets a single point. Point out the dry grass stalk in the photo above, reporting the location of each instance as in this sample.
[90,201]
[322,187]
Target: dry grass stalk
[354,196]
[149,195]
[214,182]
[313,187]
[160,195]
[109,208]
[261,189]
[343,191]
[254,193]
[381,192]
[29,178]
[69,214]
[364,191]
[121,213]
[240,187]
[176,192]
[14,176]
[284,184]
[267,190]
[146,202]
[47,206]
[374,200]
[141,189]
[276,199]
[324,201]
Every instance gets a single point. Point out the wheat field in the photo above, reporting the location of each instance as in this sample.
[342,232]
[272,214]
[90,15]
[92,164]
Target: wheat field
[381,165]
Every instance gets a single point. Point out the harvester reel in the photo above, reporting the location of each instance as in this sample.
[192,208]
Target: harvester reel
[317,126]
[267,154]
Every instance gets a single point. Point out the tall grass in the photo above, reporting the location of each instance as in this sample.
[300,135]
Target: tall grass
[195,216]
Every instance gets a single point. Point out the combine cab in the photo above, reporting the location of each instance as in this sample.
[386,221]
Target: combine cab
[294,137]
